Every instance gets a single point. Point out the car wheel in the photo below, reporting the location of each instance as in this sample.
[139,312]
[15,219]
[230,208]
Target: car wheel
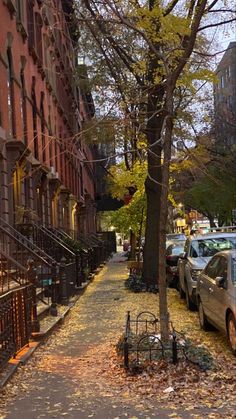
[231,327]
[204,324]
[190,305]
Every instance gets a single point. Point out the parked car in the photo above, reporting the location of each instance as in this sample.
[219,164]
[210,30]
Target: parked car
[198,250]
[172,256]
[175,236]
[216,295]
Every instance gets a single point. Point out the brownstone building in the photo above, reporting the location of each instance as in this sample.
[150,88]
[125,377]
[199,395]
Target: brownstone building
[46,169]
[225,98]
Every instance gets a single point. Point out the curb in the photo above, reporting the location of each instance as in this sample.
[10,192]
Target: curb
[38,338]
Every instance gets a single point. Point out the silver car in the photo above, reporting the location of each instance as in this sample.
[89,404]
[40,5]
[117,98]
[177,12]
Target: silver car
[198,250]
[216,295]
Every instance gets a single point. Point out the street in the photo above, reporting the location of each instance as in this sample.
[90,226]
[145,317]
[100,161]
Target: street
[77,374]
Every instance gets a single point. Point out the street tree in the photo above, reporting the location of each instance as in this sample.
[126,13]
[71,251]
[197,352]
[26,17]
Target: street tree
[205,180]
[153,48]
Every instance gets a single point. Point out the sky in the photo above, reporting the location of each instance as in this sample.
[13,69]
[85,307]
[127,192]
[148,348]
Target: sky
[223,37]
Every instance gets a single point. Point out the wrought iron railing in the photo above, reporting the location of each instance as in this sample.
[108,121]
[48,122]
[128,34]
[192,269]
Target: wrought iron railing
[54,246]
[19,246]
[16,321]
[82,251]
[142,341]
[46,240]
[12,273]
[42,269]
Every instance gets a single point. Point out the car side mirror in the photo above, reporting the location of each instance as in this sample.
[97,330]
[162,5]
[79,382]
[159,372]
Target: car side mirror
[183,255]
[220,282]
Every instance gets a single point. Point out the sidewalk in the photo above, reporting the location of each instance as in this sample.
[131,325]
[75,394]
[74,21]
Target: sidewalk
[76,373]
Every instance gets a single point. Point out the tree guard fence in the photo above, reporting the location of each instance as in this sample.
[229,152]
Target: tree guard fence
[142,341]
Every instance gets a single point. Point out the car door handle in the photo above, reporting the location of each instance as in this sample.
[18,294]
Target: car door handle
[210,290]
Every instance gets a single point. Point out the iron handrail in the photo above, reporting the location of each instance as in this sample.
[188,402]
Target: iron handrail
[13,261]
[57,239]
[27,244]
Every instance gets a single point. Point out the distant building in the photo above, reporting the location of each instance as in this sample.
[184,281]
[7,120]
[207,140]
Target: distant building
[46,169]
[225,98]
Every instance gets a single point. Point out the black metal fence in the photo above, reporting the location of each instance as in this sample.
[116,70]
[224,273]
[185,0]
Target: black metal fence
[16,321]
[142,341]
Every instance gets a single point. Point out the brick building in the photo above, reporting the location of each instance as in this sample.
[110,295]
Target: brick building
[225,98]
[45,166]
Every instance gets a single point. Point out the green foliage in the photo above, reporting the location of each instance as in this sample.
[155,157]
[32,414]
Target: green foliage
[214,195]
[207,181]
[133,215]
[121,179]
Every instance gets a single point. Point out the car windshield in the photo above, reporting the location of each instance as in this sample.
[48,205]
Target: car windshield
[209,247]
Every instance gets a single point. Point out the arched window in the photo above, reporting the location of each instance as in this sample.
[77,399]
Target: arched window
[10,95]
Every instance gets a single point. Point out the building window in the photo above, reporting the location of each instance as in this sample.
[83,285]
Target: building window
[43,127]
[34,114]
[38,33]
[31,24]
[23,107]
[10,94]
[21,17]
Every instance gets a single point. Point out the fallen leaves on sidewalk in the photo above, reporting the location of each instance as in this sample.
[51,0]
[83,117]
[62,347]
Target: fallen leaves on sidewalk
[80,362]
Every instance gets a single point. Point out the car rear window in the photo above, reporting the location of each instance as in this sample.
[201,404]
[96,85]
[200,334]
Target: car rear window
[209,247]
[175,237]
[178,249]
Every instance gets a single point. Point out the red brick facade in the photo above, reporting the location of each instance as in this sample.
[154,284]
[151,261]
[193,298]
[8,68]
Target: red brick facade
[43,173]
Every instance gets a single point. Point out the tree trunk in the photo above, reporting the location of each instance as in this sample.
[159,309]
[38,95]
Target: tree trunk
[153,193]
[155,120]
[132,245]
[163,306]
